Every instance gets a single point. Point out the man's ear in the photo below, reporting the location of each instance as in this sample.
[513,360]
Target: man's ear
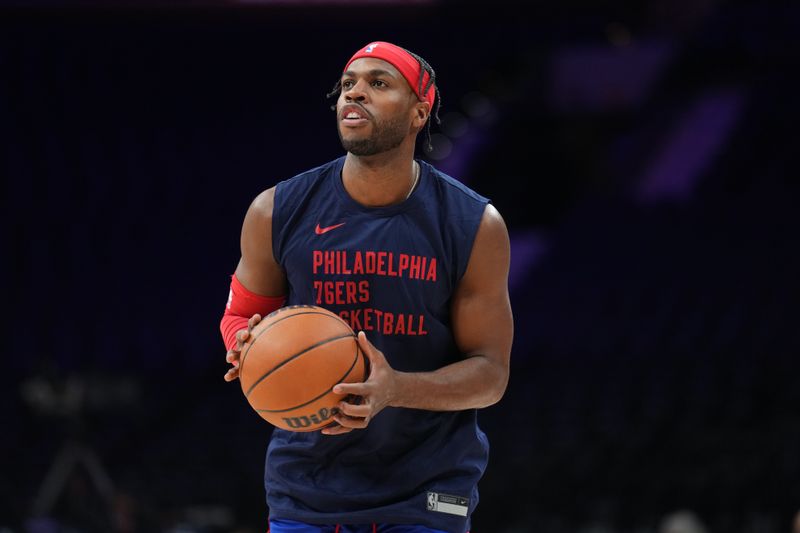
[422,114]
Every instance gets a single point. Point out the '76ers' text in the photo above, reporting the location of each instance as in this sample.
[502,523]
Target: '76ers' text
[362,266]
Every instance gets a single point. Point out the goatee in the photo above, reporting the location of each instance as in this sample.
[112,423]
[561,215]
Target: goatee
[387,135]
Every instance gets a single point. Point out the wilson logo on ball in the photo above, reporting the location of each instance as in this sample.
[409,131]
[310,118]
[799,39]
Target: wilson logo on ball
[298,422]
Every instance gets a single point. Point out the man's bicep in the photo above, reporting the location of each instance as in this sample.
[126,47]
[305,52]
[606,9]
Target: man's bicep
[482,317]
[258,270]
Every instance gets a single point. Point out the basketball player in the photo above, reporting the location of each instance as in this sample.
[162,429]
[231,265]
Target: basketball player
[417,263]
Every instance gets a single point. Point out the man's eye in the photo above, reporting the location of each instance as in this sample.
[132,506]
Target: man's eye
[379,83]
[346,84]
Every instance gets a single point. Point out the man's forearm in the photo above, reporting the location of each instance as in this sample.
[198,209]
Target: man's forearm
[475,382]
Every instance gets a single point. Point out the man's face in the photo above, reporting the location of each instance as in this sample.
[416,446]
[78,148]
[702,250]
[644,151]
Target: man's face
[375,107]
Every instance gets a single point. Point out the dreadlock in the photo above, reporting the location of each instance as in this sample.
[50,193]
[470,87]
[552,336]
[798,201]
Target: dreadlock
[437,100]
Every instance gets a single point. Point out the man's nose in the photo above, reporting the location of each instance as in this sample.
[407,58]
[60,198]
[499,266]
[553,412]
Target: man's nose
[357,91]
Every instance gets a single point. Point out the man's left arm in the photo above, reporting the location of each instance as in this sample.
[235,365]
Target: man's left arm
[483,328]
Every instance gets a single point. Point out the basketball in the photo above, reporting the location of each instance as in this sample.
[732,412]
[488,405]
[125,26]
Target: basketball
[294,357]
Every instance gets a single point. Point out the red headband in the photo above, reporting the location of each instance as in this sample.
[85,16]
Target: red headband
[404,62]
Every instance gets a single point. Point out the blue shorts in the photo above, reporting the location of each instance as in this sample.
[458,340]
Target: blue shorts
[290,526]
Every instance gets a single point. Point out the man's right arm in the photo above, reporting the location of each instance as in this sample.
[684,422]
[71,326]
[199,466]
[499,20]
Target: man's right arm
[257,270]
[258,285]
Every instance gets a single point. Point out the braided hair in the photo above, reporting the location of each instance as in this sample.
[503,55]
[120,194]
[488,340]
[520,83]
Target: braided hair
[437,100]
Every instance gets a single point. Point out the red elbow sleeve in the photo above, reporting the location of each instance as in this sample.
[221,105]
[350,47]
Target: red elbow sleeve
[242,304]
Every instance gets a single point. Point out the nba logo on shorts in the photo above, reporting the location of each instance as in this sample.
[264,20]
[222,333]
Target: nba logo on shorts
[370,48]
[447,503]
[432,501]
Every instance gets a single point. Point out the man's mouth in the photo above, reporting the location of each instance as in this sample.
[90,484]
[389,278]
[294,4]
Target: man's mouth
[353,116]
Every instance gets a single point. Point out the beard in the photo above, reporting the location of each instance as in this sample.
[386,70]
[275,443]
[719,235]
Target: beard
[386,135]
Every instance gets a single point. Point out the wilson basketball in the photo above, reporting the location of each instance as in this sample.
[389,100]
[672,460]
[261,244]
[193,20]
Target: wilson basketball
[293,359]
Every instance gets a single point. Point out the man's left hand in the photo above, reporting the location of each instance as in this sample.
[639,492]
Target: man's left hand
[375,393]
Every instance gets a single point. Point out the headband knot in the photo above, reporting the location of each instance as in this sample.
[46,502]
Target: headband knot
[405,63]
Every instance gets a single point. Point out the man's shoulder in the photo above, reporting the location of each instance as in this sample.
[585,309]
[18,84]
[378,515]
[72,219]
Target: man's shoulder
[305,186]
[450,185]
[314,172]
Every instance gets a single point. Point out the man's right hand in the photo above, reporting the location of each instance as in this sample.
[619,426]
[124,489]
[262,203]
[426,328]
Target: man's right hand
[233,355]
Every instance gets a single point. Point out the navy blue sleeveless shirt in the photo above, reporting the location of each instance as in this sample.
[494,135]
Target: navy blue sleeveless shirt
[391,272]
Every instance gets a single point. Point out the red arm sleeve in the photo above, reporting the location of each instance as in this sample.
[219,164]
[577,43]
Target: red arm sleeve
[242,304]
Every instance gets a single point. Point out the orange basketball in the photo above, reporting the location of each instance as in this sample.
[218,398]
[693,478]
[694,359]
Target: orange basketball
[293,359]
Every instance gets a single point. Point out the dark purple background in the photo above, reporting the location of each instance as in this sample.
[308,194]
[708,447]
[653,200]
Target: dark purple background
[642,153]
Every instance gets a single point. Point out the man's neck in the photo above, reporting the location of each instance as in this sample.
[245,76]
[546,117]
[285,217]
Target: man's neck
[380,180]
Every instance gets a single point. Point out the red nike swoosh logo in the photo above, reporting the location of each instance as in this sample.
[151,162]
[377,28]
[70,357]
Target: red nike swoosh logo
[320,231]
